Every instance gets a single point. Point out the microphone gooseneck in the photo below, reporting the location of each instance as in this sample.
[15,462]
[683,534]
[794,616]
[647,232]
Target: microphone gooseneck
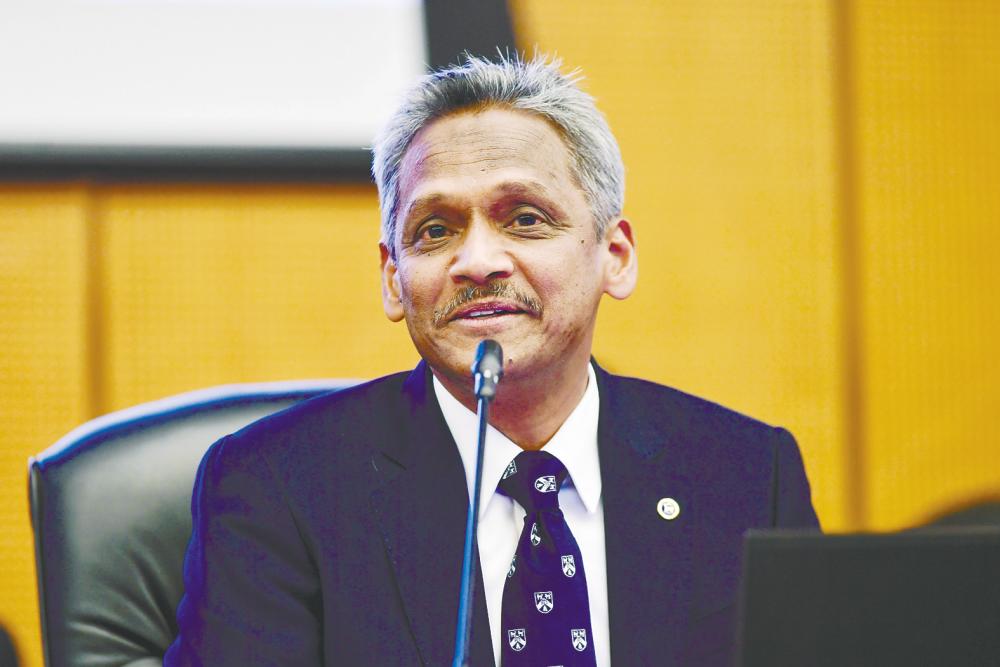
[487,369]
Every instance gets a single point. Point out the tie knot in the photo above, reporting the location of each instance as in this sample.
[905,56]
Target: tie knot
[533,479]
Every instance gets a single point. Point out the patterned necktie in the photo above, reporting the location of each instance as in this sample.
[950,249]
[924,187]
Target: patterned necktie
[546,613]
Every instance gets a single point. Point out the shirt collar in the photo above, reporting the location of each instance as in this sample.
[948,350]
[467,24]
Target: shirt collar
[575,444]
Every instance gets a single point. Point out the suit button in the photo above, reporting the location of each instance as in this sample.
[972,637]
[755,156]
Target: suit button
[668,509]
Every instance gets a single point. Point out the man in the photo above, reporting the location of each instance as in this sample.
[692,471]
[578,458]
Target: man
[332,532]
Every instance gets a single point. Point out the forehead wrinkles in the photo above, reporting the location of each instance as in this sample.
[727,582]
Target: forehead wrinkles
[467,146]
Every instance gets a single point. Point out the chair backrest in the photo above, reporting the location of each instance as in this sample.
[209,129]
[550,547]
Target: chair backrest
[110,507]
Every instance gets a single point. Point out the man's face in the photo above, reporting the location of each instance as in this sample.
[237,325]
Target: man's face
[495,240]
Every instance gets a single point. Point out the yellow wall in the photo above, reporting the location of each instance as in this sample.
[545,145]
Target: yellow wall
[927,100]
[813,187]
[217,284]
[43,368]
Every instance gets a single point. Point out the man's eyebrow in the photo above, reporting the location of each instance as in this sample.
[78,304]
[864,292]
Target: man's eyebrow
[527,189]
[531,191]
[422,202]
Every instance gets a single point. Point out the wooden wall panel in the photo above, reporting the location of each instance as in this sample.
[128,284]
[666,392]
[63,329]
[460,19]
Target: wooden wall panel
[928,101]
[725,115]
[209,285]
[43,369]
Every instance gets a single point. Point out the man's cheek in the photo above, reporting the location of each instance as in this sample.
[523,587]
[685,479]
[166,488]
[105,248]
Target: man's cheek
[415,293]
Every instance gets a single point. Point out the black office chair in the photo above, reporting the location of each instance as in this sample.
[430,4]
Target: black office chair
[110,507]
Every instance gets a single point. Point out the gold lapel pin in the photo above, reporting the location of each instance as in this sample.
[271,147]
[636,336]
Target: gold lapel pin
[668,508]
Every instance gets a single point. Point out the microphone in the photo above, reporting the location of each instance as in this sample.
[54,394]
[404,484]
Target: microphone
[487,369]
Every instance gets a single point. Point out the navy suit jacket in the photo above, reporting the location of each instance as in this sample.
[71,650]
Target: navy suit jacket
[331,533]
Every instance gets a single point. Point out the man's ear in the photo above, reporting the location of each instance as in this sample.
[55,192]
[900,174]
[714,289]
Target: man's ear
[621,266]
[391,301]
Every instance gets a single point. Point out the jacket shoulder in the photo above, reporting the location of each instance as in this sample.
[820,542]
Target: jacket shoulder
[667,408]
[361,403]
[718,446]
[337,424]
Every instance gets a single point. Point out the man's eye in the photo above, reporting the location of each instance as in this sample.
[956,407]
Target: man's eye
[432,232]
[526,220]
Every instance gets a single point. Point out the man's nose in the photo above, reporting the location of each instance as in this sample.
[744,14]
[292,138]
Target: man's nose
[482,256]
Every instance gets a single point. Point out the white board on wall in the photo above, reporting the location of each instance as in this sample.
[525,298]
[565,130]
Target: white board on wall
[264,73]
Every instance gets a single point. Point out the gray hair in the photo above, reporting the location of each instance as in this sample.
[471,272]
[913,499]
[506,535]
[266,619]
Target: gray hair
[536,86]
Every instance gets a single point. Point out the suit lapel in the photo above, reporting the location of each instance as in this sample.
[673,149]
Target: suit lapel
[421,509]
[648,557]
[422,502]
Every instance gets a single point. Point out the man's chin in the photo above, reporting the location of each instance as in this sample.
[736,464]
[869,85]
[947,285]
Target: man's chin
[455,359]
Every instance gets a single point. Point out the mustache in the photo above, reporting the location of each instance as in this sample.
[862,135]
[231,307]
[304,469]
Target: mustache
[496,290]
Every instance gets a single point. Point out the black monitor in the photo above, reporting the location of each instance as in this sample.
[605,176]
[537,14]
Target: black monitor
[919,598]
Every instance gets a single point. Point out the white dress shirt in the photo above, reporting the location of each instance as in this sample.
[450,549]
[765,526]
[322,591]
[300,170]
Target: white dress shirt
[501,518]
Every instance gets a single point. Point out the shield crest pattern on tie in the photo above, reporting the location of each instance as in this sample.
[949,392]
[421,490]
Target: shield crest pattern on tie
[579,638]
[516,639]
[569,565]
[544,601]
[546,484]
[535,538]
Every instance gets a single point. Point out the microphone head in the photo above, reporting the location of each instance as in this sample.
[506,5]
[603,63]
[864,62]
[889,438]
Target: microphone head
[487,369]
